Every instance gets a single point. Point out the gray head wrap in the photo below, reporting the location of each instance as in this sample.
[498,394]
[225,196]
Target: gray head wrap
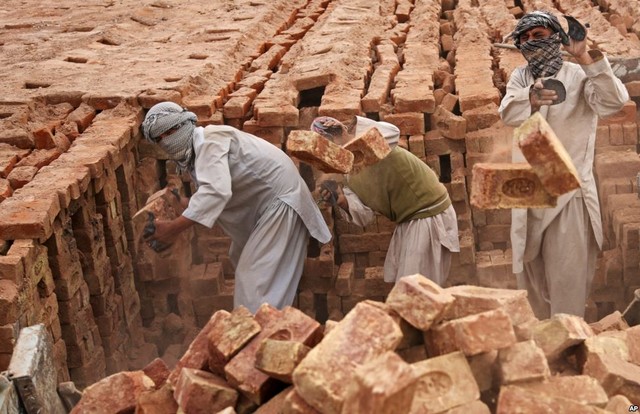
[538,18]
[165,116]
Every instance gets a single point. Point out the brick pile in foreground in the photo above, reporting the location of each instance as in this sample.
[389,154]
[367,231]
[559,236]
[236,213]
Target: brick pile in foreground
[425,350]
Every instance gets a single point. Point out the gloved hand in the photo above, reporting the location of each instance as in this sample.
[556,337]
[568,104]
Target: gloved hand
[539,96]
[331,192]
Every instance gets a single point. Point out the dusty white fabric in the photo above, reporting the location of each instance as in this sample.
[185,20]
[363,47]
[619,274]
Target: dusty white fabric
[417,246]
[238,176]
[390,132]
[592,91]
[239,180]
[269,266]
[561,284]
[423,246]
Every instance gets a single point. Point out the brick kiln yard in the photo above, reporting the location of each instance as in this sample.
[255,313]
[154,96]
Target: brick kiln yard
[77,77]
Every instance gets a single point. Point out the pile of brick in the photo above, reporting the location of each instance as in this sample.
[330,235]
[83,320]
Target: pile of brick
[426,349]
[74,169]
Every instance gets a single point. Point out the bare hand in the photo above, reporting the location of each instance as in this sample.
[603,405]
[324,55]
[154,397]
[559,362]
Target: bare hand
[539,96]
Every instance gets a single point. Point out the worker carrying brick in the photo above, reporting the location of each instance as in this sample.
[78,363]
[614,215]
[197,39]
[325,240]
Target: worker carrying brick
[404,189]
[555,249]
[252,190]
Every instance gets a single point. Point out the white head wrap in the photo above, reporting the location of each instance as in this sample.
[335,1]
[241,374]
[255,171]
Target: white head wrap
[165,116]
[390,132]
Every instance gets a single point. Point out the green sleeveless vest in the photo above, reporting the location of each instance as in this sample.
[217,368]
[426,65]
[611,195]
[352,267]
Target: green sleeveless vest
[401,187]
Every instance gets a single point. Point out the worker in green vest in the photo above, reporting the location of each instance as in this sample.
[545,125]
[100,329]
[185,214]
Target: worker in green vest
[404,189]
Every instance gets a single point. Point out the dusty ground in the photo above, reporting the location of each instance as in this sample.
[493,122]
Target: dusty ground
[123,47]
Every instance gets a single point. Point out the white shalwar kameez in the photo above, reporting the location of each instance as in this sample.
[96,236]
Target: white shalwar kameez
[555,249]
[254,192]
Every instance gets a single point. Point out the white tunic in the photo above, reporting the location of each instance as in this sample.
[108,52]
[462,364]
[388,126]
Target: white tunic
[238,176]
[592,91]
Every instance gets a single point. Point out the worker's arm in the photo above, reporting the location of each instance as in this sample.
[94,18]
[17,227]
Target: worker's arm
[603,91]
[214,180]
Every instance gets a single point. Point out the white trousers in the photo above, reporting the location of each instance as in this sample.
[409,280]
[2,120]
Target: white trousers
[423,246]
[270,264]
[558,279]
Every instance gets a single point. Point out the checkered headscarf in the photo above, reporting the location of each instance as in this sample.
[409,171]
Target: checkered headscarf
[544,55]
[167,115]
[538,18]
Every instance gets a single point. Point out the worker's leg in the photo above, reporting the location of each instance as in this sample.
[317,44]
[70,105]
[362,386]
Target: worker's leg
[271,262]
[570,251]
[416,248]
[534,281]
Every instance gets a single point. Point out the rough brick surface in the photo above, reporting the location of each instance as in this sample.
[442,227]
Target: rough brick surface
[419,301]
[349,344]
[318,151]
[367,149]
[497,185]
[547,156]
[443,383]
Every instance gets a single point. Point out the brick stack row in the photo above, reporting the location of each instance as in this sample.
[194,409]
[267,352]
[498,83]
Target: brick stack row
[76,222]
[622,15]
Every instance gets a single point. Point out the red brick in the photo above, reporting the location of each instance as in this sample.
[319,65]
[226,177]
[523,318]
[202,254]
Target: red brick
[116,393]
[472,334]
[419,301]
[241,372]
[409,123]
[367,331]
[201,392]
[384,384]
[449,377]
[318,151]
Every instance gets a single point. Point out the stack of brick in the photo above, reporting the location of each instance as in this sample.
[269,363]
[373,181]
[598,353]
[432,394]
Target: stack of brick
[478,99]
[28,297]
[325,58]
[163,275]
[479,349]
[412,94]
[601,32]
[77,213]
[617,278]
[622,12]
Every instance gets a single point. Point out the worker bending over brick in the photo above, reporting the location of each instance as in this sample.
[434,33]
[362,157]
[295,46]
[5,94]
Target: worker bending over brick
[404,189]
[252,190]
[555,249]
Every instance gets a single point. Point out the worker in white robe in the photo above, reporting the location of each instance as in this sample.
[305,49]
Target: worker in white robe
[405,190]
[555,249]
[253,191]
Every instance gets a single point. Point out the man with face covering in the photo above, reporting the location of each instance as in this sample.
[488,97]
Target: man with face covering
[405,190]
[555,249]
[252,190]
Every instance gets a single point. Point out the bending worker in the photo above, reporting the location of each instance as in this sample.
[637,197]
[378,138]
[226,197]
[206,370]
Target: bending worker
[405,190]
[555,249]
[253,191]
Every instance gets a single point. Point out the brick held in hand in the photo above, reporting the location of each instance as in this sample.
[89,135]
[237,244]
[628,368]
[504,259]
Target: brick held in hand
[368,149]
[318,151]
[547,156]
[508,185]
